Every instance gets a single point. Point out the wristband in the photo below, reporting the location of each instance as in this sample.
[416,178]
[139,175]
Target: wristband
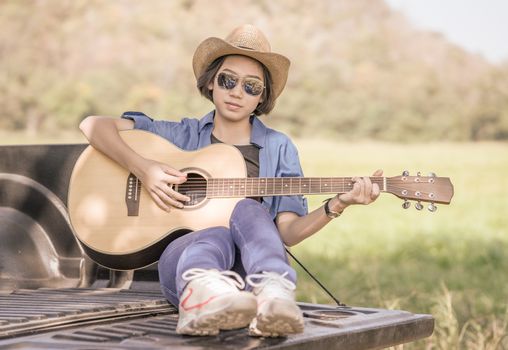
[330,213]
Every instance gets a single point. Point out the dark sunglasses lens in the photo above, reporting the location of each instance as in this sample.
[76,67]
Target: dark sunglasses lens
[226,81]
[253,87]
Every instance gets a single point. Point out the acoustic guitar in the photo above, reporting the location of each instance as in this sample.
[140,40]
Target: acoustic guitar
[122,228]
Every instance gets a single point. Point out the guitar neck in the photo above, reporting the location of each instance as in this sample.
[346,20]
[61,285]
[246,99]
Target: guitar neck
[282,186]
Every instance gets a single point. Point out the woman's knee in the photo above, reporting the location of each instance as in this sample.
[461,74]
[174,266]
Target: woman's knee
[218,235]
[248,206]
[214,241]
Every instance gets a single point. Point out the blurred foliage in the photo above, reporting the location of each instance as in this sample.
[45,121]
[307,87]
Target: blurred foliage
[359,69]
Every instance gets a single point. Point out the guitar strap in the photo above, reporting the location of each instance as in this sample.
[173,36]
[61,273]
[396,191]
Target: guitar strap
[339,304]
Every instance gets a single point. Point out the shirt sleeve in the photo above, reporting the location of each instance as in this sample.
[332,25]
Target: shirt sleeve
[183,134]
[289,166]
[141,120]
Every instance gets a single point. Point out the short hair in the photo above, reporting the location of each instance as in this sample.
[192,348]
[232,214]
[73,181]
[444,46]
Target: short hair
[268,99]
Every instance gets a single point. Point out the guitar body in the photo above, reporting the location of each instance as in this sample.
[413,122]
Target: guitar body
[98,201]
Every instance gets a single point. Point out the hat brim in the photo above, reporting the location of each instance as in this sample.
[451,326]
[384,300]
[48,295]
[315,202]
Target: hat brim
[212,48]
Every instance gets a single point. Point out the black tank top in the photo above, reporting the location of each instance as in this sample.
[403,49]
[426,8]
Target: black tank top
[250,154]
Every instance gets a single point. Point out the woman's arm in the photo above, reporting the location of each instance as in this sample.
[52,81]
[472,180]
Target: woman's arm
[157,178]
[294,229]
[102,133]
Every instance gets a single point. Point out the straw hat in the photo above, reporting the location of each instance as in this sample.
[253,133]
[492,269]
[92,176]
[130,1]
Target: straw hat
[246,40]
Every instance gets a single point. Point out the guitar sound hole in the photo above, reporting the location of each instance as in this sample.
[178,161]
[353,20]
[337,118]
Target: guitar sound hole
[194,188]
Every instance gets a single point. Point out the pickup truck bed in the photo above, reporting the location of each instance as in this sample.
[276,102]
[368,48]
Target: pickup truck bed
[128,319]
[54,297]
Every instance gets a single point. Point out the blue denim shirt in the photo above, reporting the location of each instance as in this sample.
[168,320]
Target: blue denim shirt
[278,157]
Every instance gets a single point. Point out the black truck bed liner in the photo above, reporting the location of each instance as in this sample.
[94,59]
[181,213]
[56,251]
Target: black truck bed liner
[108,318]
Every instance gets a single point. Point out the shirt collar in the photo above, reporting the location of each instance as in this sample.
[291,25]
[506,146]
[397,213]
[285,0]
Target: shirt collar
[258,133]
[206,120]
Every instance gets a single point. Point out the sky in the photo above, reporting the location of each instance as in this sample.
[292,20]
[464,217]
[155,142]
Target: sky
[479,26]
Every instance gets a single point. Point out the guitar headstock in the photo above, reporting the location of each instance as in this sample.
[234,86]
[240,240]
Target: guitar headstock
[431,189]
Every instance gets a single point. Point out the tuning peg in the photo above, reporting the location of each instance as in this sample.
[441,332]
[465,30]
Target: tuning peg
[419,206]
[432,208]
[431,174]
[406,204]
[405,173]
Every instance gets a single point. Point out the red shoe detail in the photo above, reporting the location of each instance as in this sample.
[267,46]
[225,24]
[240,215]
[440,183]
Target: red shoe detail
[197,306]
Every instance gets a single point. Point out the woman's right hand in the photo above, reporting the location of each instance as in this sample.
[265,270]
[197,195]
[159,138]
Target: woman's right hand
[158,179]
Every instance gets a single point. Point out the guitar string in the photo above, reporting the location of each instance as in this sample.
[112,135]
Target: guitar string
[277,178]
[280,178]
[225,186]
[233,184]
[257,181]
[214,186]
[253,185]
[306,179]
[220,192]
[291,186]
[268,184]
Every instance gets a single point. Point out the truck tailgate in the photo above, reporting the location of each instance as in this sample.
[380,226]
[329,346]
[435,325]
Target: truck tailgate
[81,318]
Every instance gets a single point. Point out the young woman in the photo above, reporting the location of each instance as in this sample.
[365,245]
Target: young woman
[229,277]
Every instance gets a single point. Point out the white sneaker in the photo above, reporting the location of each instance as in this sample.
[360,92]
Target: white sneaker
[277,314]
[212,301]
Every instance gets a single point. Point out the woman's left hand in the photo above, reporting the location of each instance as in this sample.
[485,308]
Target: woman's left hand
[363,192]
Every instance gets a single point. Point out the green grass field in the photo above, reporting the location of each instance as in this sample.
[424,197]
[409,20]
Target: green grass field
[452,263]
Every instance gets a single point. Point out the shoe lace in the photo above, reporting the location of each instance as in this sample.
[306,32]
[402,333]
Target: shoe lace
[270,283]
[209,276]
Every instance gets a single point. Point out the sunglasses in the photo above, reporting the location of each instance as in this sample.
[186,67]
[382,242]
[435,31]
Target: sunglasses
[251,86]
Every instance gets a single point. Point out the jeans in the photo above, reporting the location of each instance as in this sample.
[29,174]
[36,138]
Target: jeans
[251,244]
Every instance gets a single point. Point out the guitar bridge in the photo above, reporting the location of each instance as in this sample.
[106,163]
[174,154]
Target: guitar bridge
[195,197]
[132,192]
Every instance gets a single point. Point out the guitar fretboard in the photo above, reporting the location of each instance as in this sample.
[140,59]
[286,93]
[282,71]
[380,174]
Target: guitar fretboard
[281,186]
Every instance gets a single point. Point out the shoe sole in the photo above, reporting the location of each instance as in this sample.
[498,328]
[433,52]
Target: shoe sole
[235,312]
[279,318]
